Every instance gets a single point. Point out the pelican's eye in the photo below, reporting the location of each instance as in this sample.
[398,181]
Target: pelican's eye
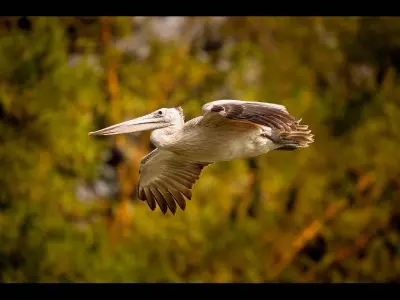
[159,113]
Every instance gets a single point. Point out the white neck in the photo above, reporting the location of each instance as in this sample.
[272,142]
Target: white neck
[163,137]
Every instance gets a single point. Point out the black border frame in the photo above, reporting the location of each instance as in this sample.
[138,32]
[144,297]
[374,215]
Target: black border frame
[219,291]
[203,8]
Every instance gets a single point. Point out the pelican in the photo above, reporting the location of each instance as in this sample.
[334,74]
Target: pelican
[227,130]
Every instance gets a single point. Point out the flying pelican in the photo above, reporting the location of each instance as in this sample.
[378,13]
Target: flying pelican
[228,129]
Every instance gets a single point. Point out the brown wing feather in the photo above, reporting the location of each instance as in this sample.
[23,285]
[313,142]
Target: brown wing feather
[165,177]
[259,114]
[284,126]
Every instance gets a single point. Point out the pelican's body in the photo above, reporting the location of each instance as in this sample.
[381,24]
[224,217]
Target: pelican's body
[229,129]
[215,141]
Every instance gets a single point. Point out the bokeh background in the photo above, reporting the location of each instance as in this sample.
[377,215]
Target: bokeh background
[327,213]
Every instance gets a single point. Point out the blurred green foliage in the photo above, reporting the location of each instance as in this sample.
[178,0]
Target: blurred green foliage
[328,213]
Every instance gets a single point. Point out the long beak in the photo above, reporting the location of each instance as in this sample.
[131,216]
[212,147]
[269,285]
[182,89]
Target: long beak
[147,122]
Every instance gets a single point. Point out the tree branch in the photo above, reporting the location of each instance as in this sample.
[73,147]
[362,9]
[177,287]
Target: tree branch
[306,235]
[122,211]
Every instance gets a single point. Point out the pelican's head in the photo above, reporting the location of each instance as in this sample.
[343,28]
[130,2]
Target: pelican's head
[161,118]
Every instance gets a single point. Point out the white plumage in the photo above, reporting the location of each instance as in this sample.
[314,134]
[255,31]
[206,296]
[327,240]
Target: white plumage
[228,129]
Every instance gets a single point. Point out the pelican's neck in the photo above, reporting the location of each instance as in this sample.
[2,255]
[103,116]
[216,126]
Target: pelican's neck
[164,137]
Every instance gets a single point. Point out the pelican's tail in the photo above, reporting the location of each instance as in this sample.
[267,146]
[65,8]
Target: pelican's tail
[298,137]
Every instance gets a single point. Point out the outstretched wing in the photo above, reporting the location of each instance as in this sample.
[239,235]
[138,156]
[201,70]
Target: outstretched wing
[266,114]
[285,128]
[165,178]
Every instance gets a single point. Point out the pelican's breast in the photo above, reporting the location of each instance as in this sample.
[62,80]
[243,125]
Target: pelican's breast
[221,143]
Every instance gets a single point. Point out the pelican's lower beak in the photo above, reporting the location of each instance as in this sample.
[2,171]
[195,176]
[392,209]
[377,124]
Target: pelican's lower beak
[136,125]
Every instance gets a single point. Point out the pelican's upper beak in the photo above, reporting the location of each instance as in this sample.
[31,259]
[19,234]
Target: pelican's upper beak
[147,122]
